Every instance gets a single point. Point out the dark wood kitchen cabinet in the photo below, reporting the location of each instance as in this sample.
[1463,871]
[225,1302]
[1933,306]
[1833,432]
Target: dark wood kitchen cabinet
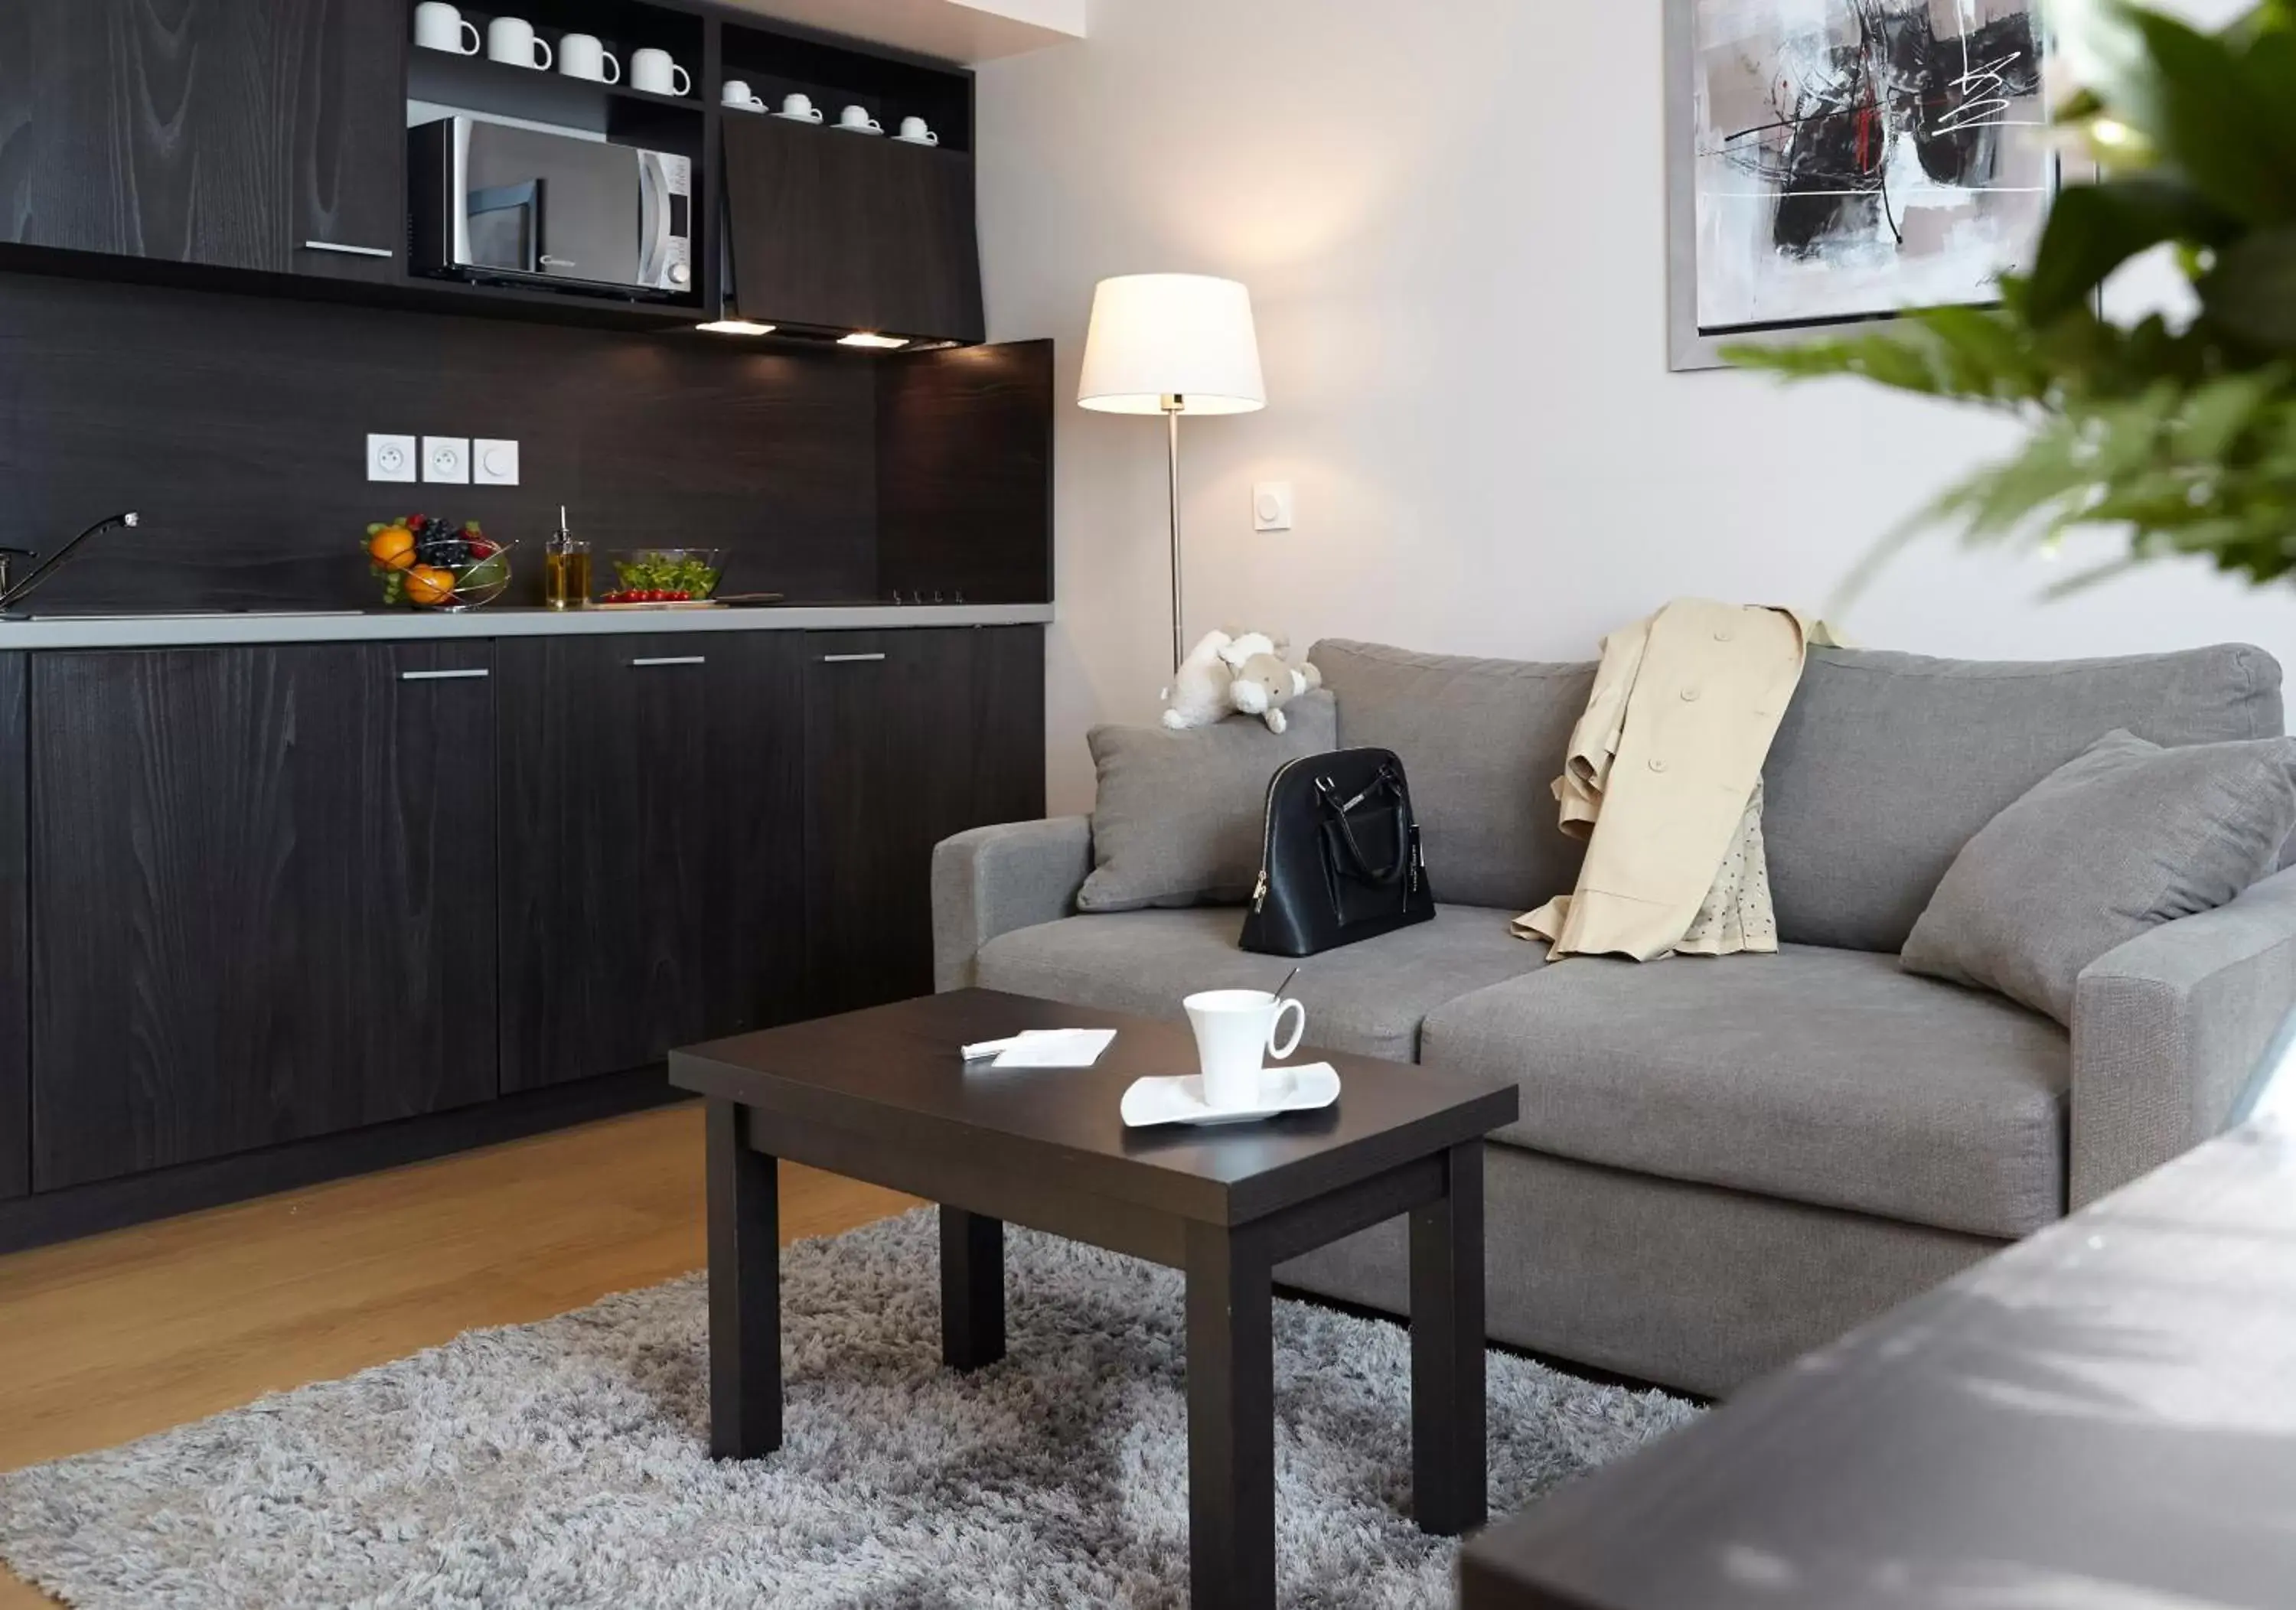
[911,736]
[837,232]
[15,953]
[238,133]
[653,814]
[263,898]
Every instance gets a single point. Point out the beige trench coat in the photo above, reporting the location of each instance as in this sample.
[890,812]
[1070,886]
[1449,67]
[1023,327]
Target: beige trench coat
[1663,779]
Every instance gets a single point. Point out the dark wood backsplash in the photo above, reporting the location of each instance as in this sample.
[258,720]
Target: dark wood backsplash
[237,426]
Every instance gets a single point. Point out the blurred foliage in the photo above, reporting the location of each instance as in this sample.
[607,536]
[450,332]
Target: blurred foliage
[2185,439]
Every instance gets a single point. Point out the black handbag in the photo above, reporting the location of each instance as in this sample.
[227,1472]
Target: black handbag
[1339,857]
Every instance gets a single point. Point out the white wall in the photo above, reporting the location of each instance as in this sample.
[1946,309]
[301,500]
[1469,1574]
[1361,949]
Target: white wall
[1452,217]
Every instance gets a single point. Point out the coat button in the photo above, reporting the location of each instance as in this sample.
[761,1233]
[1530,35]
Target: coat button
[1690,696]
[1656,765]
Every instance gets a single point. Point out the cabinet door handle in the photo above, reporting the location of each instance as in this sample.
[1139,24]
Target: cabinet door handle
[850,659]
[674,659]
[348,252]
[472,676]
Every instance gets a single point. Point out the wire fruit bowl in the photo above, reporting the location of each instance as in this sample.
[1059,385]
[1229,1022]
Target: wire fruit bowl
[428,564]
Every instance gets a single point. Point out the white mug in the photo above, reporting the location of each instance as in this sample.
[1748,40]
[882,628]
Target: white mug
[513,39]
[737,93]
[438,26]
[586,56]
[917,132]
[857,117]
[654,71]
[1236,1034]
[801,106]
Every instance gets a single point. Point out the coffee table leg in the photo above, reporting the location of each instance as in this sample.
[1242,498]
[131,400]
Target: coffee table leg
[1231,1421]
[745,1296]
[971,1290]
[1447,1475]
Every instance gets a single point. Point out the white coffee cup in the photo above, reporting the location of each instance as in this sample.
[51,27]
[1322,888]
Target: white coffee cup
[1236,1034]
[654,71]
[513,39]
[438,26]
[916,131]
[586,56]
[857,117]
[801,106]
[737,93]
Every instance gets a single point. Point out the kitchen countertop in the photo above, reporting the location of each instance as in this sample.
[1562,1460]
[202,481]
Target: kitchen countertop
[407,625]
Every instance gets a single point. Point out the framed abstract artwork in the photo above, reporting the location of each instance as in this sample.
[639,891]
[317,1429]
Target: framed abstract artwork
[1835,160]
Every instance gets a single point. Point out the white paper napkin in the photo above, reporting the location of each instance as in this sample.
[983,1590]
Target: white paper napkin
[1044,1048]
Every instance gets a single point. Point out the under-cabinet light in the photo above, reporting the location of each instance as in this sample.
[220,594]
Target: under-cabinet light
[881,343]
[735,327]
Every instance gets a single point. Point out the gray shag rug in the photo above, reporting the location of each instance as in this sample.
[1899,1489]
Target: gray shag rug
[565,1464]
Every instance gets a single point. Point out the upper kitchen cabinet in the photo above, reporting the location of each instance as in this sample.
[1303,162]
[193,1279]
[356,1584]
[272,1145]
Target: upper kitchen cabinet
[237,133]
[263,888]
[836,230]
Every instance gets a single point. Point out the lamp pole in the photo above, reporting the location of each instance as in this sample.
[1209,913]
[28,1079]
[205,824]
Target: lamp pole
[1174,408]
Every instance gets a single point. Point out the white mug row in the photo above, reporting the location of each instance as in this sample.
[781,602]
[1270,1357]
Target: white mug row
[438,26]
[799,107]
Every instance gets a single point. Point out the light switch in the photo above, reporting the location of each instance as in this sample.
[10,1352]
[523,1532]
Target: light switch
[1272,505]
[446,459]
[493,463]
[392,458]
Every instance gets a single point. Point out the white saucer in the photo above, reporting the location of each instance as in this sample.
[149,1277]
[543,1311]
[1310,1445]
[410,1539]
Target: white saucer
[904,140]
[745,106]
[1181,1100]
[847,129]
[791,117]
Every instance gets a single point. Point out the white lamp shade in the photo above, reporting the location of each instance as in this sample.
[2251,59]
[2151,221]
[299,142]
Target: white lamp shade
[1172,335]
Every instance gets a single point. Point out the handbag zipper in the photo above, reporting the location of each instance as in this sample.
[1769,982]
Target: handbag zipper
[1268,831]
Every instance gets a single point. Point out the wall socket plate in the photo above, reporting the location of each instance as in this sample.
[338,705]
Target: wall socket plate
[493,463]
[446,460]
[393,458]
[1273,506]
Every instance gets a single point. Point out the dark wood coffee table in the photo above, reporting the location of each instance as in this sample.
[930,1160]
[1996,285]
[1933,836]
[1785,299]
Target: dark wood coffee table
[883,1096]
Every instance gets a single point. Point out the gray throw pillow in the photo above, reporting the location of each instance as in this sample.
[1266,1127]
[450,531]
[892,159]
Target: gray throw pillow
[1179,814]
[2125,836]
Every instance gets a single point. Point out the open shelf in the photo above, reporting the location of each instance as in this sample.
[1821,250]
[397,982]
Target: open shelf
[835,76]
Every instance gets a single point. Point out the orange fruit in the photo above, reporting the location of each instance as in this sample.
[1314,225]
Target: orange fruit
[392,547]
[427,586]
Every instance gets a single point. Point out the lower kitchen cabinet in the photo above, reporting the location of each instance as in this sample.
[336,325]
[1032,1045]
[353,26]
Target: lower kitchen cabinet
[911,736]
[263,892]
[652,832]
[15,954]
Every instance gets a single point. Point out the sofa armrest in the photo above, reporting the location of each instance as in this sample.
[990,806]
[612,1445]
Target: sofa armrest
[2169,1030]
[993,881]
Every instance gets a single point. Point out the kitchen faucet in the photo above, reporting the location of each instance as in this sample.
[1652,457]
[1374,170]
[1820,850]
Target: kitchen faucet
[10,596]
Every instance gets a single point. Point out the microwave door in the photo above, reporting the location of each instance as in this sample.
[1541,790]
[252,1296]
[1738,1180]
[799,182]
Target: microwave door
[587,198]
[504,226]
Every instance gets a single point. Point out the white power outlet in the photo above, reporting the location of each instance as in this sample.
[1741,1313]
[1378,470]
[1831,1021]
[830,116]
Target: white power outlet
[493,463]
[446,460]
[390,458]
[1273,506]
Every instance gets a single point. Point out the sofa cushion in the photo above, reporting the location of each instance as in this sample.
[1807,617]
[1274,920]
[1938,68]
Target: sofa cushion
[1886,763]
[2123,837]
[1482,742]
[1822,1076]
[1367,998]
[1178,817]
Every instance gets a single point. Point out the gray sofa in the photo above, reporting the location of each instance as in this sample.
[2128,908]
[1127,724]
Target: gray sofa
[1723,1162]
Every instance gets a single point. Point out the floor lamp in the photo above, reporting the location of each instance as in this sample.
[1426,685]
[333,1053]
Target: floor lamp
[1172,344]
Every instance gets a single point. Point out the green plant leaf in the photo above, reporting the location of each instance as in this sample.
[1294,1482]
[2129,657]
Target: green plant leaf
[2251,290]
[2095,228]
[2232,131]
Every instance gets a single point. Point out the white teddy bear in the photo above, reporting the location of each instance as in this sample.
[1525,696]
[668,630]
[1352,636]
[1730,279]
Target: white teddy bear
[1231,673]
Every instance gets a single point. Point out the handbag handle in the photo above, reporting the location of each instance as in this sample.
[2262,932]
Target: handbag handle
[1394,874]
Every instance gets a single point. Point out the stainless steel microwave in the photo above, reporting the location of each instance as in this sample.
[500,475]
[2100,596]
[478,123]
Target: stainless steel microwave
[520,206]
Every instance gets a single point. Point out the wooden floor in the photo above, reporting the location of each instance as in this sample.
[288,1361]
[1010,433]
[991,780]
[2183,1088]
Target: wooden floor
[120,1335]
